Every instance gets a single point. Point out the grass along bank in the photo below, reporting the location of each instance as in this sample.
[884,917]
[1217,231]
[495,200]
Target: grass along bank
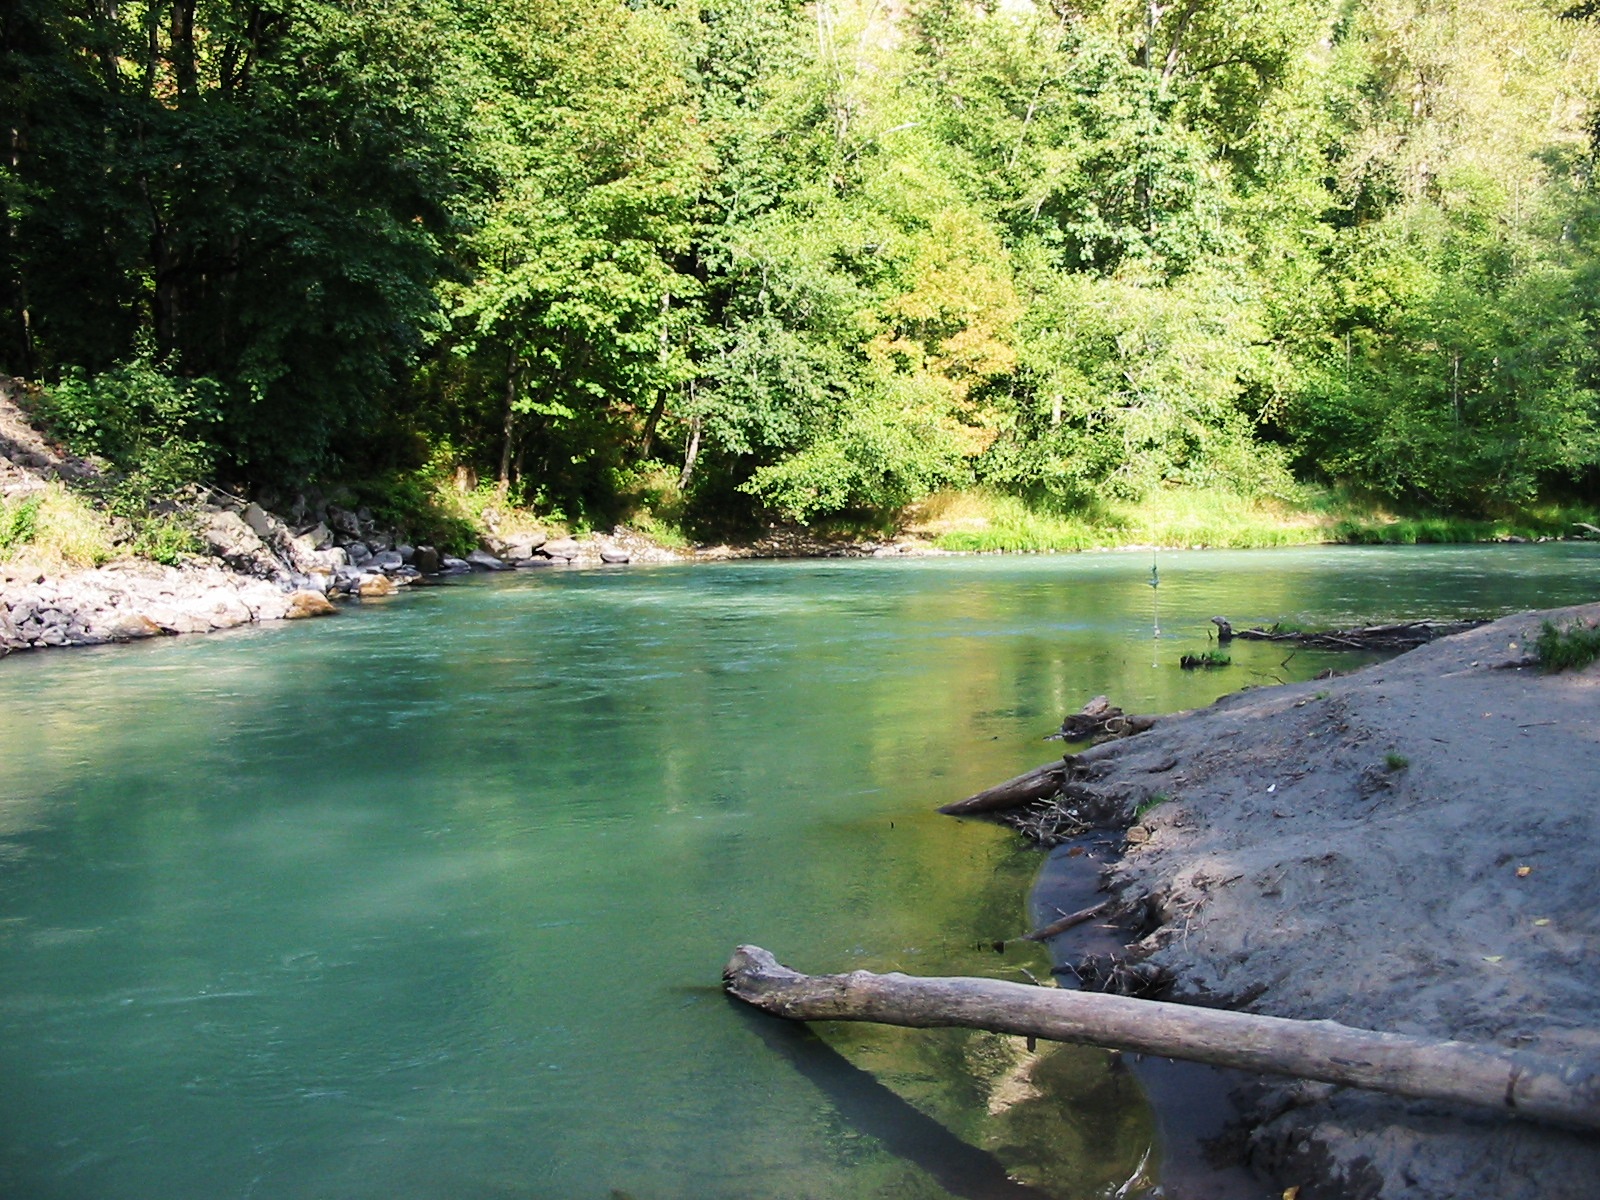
[983,522]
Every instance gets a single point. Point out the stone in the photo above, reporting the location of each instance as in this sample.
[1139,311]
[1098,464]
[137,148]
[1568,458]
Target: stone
[449,565]
[376,585]
[258,519]
[521,545]
[562,548]
[538,560]
[344,521]
[406,553]
[227,611]
[426,560]
[388,560]
[307,603]
[321,536]
[359,553]
[484,561]
[614,555]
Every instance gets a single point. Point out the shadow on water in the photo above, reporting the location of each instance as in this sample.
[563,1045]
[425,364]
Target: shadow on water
[959,1167]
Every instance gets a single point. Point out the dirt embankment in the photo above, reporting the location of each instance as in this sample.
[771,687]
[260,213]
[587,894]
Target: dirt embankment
[1413,847]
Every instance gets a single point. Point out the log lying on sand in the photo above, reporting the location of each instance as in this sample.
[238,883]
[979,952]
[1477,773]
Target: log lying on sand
[1512,1081]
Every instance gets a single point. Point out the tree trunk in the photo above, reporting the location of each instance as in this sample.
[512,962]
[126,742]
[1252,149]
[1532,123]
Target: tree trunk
[1527,1085]
[690,453]
[509,430]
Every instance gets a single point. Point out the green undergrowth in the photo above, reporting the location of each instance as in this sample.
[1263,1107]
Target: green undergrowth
[1567,649]
[979,522]
[55,528]
[986,522]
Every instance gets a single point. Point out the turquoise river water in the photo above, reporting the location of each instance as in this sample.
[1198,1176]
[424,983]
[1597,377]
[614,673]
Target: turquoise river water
[430,900]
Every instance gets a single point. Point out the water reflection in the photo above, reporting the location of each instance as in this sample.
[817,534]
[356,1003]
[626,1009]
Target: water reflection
[403,904]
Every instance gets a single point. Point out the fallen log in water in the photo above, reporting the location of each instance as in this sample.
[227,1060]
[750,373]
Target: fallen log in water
[1406,635]
[1038,784]
[1509,1080]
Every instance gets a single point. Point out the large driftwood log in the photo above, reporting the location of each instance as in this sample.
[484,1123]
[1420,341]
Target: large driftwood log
[1512,1081]
[1406,635]
[1038,784]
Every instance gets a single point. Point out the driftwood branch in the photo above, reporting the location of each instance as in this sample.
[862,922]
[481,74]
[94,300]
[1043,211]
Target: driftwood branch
[1070,921]
[1099,721]
[1038,784]
[1512,1081]
[1406,635]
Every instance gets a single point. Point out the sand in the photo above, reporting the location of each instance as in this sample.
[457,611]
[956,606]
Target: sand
[1413,847]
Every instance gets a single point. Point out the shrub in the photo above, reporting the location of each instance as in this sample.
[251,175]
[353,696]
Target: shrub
[1567,649]
[19,522]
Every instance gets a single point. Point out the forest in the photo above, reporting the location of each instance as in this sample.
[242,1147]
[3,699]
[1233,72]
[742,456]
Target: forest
[698,263]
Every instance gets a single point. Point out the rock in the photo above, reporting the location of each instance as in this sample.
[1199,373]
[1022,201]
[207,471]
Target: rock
[321,536]
[484,561]
[132,628]
[538,560]
[238,545]
[387,560]
[521,546]
[259,521]
[614,555]
[426,560]
[563,548]
[344,521]
[406,553]
[376,585]
[227,611]
[359,552]
[306,603]
[449,565]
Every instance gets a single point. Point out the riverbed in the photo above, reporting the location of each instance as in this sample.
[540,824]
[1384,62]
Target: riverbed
[429,899]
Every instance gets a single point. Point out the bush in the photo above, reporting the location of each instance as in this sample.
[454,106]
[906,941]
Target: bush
[19,522]
[1567,649]
[154,429]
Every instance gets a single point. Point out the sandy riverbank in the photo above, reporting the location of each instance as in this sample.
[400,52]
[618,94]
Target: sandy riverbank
[1412,847]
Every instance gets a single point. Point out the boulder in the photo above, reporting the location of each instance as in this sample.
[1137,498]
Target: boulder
[387,560]
[321,536]
[484,561]
[131,627]
[449,565]
[360,553]
[344,521]
[426,560]
[563,548]
[538,560]
[376,585]
[521,545]
[615,555]
[306,603]
[261,522]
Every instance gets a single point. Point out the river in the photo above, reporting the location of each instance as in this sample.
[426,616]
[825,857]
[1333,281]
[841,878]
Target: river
[429,900]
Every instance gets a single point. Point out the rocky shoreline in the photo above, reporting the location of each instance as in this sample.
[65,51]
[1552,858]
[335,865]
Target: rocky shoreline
[1410,848]
[261,568]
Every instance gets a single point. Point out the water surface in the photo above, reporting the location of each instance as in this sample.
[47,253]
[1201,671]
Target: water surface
[430,899]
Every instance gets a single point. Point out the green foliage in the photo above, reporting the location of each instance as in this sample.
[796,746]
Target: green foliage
[1569,649]
[1395,762]
[167,539]
[1206,660]
[803,261]
[19,522]
[153,429]
[423,506]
